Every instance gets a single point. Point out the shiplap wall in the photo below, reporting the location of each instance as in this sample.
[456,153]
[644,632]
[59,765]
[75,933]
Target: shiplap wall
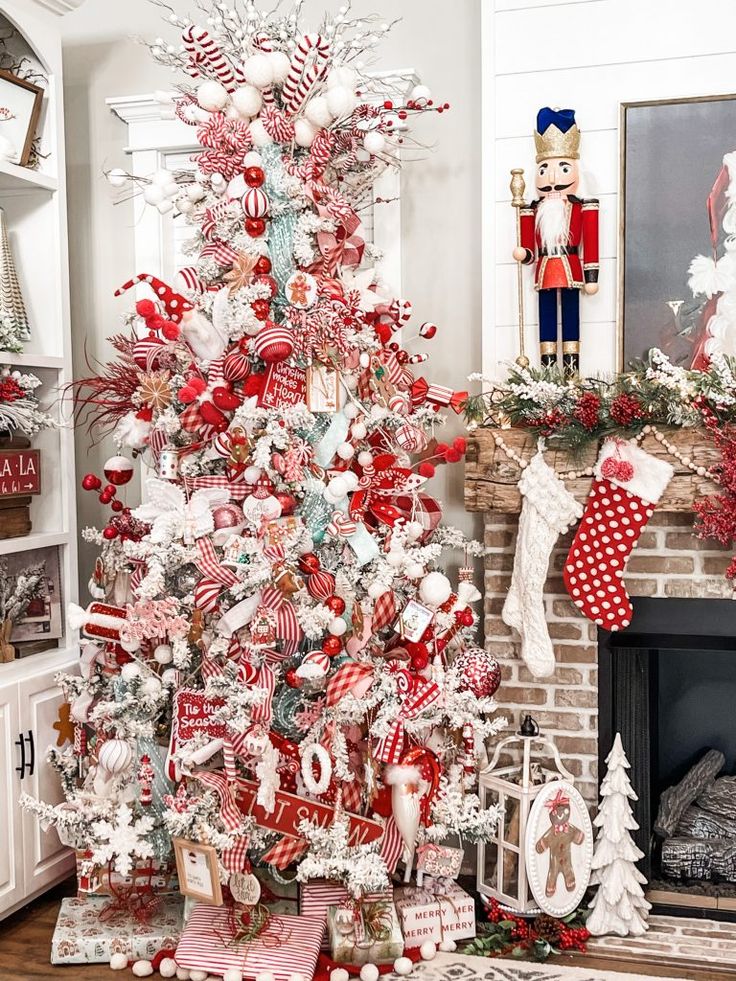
[590,55]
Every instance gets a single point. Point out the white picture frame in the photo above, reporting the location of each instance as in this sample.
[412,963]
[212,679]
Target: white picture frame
[558,863]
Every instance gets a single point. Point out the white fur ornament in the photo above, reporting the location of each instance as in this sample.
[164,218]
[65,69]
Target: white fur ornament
[118,962]
[258,133]
[403,966]
[435,589]
[341,101]
[317,112]
[447,946]
[341,76]
[212,96]
[304,132]
[428,950]
[143,969]
[259,70]
[280,64]
[167,968]
[247,100]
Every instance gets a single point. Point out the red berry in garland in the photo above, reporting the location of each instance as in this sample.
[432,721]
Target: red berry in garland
[626,409]
[587,410]
[261,308]
[263,266]
[91,482]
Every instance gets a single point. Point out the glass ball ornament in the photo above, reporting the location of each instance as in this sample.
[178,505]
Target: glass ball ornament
[479,672]
[118,470]
[186,578]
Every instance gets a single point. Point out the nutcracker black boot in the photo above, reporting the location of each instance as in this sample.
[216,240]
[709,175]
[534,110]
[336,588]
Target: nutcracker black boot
[547,354]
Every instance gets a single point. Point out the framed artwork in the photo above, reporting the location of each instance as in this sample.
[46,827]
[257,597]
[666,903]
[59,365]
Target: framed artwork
[196,866]
[20,108]
[41,616]
[558,848]
[671,212]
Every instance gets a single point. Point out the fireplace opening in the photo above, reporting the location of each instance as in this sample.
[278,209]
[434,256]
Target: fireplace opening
[668,684]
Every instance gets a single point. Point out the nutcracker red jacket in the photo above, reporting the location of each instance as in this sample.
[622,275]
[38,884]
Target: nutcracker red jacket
[578,262]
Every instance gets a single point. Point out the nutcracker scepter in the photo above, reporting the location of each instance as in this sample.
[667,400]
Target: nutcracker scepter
[517,188]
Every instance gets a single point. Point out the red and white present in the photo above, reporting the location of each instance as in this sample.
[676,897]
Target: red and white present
[316,897]
[287,945]
[441,910]
[365,933]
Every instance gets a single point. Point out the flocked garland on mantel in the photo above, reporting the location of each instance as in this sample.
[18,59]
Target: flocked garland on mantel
[573,415]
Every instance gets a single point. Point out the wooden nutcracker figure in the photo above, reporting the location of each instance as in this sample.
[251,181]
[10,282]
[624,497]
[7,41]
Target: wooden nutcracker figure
[559,232]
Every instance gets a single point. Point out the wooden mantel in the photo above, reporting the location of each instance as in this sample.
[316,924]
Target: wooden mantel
[491,477]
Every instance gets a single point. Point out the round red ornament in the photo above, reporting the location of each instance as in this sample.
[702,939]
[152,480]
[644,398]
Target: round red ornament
[263,266]
[227,516]
[336,604]
[255,227]
[261,309]
[118,470]
[332,646]
[287,501]
[479,672]
[254,176]
[309,562]
[292,679]
[109,533]
[274,343]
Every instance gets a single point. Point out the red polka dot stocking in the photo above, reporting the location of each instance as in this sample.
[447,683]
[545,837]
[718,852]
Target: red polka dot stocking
[627,486]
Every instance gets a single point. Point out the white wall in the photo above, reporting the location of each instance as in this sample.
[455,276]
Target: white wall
[440,195]
[590,55]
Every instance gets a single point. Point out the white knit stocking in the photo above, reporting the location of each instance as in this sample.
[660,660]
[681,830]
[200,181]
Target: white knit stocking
[547,512]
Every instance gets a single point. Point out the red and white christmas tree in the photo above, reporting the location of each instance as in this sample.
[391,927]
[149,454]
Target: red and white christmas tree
[619,905]
[277,618]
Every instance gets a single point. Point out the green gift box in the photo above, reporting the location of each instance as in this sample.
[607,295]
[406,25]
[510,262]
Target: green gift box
[365,932]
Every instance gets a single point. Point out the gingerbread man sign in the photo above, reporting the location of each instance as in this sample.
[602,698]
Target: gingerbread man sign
[558,841]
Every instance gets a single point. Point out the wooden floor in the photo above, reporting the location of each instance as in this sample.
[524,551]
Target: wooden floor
[25,943]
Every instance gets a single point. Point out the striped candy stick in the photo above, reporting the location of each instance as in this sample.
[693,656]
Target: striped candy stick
[313,51]
[264,43]
[203,52]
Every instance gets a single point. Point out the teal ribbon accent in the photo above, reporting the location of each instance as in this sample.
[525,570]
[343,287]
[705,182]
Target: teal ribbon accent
[314,510]
[281,227]
[326,446]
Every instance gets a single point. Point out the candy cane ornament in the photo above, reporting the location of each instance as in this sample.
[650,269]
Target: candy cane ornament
[203,51]
[308,65]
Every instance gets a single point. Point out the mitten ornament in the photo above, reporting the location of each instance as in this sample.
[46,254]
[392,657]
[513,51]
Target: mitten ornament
[627,486]
[547,511]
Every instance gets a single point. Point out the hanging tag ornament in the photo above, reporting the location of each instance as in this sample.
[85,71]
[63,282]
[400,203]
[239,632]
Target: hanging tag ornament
[245,888]
[301,290]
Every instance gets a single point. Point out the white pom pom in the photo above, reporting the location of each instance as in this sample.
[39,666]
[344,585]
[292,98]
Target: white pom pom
[251,474]
[345,451]
[167,968]
[304,132]
[341,101]
[247,100]
[195,192]
[119,962]
[403,966]
[435,589]
[414,570]
[258,133]
[337,627]
[258,70]
[142,969]
[421,94]
[297,976]
[358,430]
[265,976]
[163,654]
[318,112]
[182,974]
[376,589]
[365,458]
[280,65]
[198,975]
[351,411]
[152,685]
[337,487]
[427,951]
[117,177]
[232,974]
[130,671]
[351,479]
[341,76]
[448,945]
[153,194]
[212,96]
[164,207]
[369,972]
[374,142]
[170,677]
[252,159]
[339,974]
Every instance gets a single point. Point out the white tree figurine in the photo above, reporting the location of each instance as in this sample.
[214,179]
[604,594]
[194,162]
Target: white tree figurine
[619,905]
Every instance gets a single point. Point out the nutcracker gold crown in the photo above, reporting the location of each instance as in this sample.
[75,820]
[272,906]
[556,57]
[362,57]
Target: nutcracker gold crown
[554,143]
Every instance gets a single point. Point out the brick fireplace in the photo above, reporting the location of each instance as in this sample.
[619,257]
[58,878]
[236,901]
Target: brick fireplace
[669,561]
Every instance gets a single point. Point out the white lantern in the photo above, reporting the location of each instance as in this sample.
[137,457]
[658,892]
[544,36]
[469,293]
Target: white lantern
[501,871]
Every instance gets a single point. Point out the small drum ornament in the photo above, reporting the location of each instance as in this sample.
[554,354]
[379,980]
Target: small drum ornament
[255,203]
[168,464]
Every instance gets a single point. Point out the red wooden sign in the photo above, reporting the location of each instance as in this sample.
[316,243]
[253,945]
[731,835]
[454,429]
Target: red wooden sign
[20,472]
[285,386]
[193,714]
[291,810]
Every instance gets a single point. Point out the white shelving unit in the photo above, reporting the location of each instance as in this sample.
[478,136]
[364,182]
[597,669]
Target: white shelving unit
[35,205]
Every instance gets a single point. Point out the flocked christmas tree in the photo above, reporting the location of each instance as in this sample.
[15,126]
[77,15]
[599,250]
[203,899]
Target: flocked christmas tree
[276,617]
[619,905]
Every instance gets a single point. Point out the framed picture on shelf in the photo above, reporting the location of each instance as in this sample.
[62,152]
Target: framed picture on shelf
[35,579]
[672,206]
[196,865]
[20,109]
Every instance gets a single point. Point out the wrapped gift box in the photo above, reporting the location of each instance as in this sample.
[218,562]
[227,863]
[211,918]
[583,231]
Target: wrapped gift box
[441,910]
[356,943]
[286,945]
[316,897]
[99,880]
[84,936]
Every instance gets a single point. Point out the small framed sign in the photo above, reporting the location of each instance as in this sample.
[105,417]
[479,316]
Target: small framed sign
[20,108]
[414,620]
[196,865]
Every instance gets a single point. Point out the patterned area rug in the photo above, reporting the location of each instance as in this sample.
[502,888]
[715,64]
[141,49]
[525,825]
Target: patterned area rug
[453,967]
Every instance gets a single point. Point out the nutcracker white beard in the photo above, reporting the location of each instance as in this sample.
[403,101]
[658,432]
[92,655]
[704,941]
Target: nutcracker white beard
[552,223]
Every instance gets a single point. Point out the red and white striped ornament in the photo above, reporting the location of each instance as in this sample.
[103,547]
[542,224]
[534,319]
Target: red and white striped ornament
[273,344]
[255,203]
[236,366]
[427,330]
[410,438]
[321,584]
[399,402]
[479,671]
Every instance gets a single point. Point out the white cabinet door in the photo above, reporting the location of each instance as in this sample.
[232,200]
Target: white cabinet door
[12,888]
[45,859]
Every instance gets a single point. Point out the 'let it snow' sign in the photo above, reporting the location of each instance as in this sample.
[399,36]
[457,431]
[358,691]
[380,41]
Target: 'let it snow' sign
[20,472]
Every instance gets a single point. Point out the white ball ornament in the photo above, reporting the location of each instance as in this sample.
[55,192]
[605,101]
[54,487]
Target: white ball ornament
[374,142]
[232,974]
[198,975]
[338,487]
[403,966]
[435,589]
[130,671]
[119,962]
[413,530]
[351,479]
[394,558]
[280,65]
[304,132]
[162,177]
[414,570]
[163,654]
[421,94]
[351,411]
[345,451]
[258,133]
[365,458]
[427,951]
[448,945]
[153,194]
[258,70]
[143,969]
[252,159]
[359,430]
[117,177]
[341,75]
[339,974]
[376,589]
[212,95]
[152,685]
[195,192]
[167,968]
[337,627]
[182,974]
[340,101]
[369,972]
[251,474]
[318,112]
[247,100]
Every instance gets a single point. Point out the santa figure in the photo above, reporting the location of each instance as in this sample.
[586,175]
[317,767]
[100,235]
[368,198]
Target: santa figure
[559,232]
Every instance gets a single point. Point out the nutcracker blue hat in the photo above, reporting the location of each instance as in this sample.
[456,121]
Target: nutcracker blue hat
[557,134]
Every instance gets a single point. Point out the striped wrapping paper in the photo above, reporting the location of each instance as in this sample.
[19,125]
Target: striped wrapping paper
[288,944]
[316,897]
